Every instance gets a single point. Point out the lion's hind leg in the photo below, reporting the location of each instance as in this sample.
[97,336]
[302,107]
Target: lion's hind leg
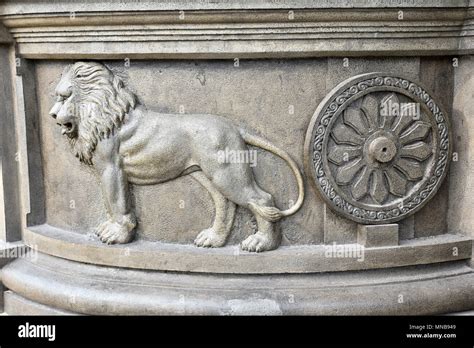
[268,237]
[215,236]
[236,182]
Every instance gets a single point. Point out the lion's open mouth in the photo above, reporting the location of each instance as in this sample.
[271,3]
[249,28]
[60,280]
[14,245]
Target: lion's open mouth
[68,129]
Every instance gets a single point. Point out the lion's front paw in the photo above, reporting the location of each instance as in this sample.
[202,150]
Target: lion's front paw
[111,232]
[209,238]
[260,242]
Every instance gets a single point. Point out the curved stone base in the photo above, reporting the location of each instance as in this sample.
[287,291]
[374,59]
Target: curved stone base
[18,305]
[81,288]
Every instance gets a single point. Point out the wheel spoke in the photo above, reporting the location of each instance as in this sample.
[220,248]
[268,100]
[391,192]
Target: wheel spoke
[418,131]
[346,173]
[361,186]
[370,106]
[419,151]
[378,190]
[343,134]
[354,117]
[413,170]
[400,123]
[397,184]
[389,110]
[342,154]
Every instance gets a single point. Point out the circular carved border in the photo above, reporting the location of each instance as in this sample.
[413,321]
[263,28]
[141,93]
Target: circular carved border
[318,133]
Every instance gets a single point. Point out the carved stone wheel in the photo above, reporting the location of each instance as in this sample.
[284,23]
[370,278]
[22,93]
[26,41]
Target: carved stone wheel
[378,148]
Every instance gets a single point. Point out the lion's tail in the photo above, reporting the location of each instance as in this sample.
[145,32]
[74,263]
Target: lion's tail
[273,213]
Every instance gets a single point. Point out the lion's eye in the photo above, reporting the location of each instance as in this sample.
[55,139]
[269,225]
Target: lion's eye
[60,98]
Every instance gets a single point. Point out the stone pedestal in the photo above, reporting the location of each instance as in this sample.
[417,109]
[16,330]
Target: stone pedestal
[371,236]
[345,210]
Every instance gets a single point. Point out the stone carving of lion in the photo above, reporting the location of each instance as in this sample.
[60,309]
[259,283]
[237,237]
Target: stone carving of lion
[126,143]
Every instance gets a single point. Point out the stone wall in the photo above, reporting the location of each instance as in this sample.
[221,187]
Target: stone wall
[266,66]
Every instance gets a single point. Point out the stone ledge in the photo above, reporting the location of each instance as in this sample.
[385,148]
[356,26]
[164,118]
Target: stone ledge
[230,259]
[58,6]
[88,289]
[224,30]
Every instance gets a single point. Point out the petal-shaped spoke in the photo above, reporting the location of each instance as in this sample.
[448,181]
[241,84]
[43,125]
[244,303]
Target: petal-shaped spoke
[346,173]
[400,123]
[418,131]
[342,154]
[389,110]
[355,118]
[419,151]
[397,184]
[361,186]
[343,134]
[370,106]
[378,191]
[413,170]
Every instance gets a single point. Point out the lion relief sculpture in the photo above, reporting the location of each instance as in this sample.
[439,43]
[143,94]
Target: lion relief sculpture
[126,143]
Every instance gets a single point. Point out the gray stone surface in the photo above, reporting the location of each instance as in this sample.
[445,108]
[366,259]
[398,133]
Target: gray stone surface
[206,59]
[337,229]
[29,148]
[438,74]
[18,305]
[229,259]
[8,253]
[287,29]
[91,289]
[461,189]
[9,178]
[406,228]
[371,236]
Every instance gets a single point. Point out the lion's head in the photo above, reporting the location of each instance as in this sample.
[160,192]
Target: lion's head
[91,103]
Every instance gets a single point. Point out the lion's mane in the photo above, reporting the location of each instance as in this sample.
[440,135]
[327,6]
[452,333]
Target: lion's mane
[102,101]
